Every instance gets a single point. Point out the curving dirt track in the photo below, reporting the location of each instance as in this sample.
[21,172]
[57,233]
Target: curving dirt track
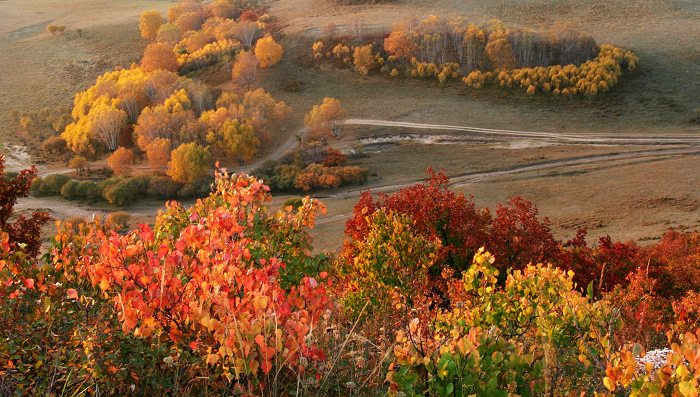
[465,179]
[680,145]
[553,137]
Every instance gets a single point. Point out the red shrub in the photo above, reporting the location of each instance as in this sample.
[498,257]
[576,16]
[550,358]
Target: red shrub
[518,237]
[24,232]
[437,212]
[334,158]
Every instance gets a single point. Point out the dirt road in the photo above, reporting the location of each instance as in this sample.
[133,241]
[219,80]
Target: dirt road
[552,137]
[691,143]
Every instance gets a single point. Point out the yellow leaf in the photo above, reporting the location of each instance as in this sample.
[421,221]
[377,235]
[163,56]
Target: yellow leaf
[609,384]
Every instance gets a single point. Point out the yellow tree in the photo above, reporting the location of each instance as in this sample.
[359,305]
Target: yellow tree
[159,56]
[106,125]
[237,139]
[500,52]
[281,114]
[164,121]
[189,163]
[169,34]
[325,119]
[121,161]
[268,52]
[80,164]
[149,23]
[363,58]
[245,69]
[400,45]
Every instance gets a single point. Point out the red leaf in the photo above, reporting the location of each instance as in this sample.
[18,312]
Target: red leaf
[29,283]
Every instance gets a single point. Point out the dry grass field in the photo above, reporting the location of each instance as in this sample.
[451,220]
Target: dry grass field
[629,198]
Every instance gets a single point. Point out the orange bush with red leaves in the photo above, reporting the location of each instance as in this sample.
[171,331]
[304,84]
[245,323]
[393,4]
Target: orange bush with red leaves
[201,281]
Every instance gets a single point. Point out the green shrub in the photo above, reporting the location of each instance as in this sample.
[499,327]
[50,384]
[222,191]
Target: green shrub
[88,191]
[295,203]
[9,175]
[126,190]
[69,191]
[198,189]
[49,186]
[108,183]
[284,176]
[163,188]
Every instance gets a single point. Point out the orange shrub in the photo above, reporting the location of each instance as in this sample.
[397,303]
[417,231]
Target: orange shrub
[121,161]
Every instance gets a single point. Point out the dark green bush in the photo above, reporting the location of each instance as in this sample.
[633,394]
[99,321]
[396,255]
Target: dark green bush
[49,186]
[284,176]
[69,191]
[9,175]
[88,191]
[198,189]
[125,190]
[163,188]
[293,202]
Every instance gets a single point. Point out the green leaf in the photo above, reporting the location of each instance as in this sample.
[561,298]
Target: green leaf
[637,350]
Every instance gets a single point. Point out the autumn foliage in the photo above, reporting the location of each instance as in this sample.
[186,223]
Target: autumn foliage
[19,232]
[149,24]
[245,68]
[229,291]
[158,153]
[559,61]
[268,52]
[189,163]
[159,56]
[323,118]
[121,162]
[226,306]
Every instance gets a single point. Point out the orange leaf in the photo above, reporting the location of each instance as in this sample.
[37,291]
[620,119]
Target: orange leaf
[72,293]
[260,340]
[212,359]
[266,366]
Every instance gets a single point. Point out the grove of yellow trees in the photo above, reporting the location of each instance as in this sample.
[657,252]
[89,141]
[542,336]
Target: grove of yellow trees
[559,61]
[590,78]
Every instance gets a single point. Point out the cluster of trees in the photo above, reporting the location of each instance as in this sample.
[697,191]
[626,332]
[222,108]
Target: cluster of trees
[225,296]
[159,112]
[329,173]
[197,34]
[176,123]
[589,78]
[444,49]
